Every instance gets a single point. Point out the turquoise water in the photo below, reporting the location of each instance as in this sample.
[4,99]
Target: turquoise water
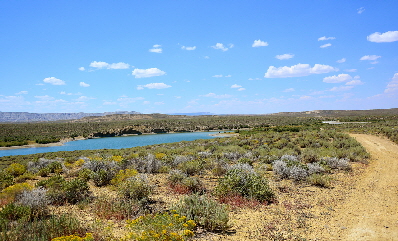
[112,143]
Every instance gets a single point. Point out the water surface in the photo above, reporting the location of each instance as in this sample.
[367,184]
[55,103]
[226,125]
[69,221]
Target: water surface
[112,143]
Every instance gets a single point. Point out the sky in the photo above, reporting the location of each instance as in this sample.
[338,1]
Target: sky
[188,56]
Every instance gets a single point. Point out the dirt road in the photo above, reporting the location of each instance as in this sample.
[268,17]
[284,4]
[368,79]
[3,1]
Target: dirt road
[371,210]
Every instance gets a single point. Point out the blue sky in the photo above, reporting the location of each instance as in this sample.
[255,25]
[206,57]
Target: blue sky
[224,57]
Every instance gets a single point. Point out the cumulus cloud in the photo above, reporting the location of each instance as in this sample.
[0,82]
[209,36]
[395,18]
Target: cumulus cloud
[156,49]
[82,69]
[341,60]
[342,88]
[298,70]
[228,76]
[53,81]
[105,65]
[213,95]
[236,86]
[360,10]
[82,84]
[44,97]
[84,98]
[370,57]
[217,76]
[289,90]
[154,86]
[392,86]
[241,89]
[325,45]
[259,43]
[325,38]
[284,56]
[351,70]
[146,73]
[337,78]
[24,92]
[355,82]
[222,47]
[390,36]
[188,48]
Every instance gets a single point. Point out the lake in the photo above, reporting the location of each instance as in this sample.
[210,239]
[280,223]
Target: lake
[113,143]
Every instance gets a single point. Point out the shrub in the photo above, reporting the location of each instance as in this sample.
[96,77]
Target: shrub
[16,169]
[291,170]
[204,211]
[36,200]
[147,165]
[193,167]
[107,208]
[136,188]
[160,227]
[24,177]
[243,181]
[46,229]
[10,193]
[314,168]
[6,180]
[123,175]
[35,166]
[335,163]
[181,183]
[85,174]
[88,237]
[15,212]
[319,180]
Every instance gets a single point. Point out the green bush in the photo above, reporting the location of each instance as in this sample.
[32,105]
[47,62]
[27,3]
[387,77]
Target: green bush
[136,188]
[319,180]
[13,212]
[16,169]
[242,180]
[162,227]
[204,211]
[6,180]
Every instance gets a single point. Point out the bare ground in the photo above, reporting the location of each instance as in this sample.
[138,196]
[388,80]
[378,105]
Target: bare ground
[370,211]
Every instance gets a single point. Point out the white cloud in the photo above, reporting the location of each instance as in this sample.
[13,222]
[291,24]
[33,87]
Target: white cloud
[146,102]
[217,76]
[145,73]
[54,81]
[360,10]
[45,98]
[188,48]
[350,70]
[341,60]
[392,86]
[306,97]
[159,103]
[109,103]
[241,89]
[259,43]
[390,36]
[156,49]
[105,65]
[298,70]
[212,95]
[289,90]
[370,57]
[154,86]
[207,57]
[254,79]
[284,56]
[325,45]
[82,69]
[342,88]
[337,78]
[84,98]
[222,47]
[82,84]
[325,38]
[236,86]
[355,82]
[24,92]
[228,76]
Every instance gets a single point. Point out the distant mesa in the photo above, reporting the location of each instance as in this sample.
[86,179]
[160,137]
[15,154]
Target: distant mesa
[37,117]
[193,114]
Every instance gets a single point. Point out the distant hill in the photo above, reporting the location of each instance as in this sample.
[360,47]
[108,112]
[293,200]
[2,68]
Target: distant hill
[37,117]
[339,113]
[193,114]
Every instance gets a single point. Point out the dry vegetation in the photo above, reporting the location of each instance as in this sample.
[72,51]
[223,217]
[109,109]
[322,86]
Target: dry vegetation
[270,183]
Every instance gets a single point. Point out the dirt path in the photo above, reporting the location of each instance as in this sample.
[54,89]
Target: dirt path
[371,210]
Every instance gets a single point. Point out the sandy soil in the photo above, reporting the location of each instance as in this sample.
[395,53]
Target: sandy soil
[60,143]
[370,212]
